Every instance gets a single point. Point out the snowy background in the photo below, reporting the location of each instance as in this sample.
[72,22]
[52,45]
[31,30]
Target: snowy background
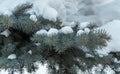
[105,12]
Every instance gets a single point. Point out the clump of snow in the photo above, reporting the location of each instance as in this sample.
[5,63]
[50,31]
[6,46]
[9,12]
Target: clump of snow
[30,52]
[33,18]
[41,32]
[116,60]
[80,32]
[86,30]
[6,33]
[52,32]
[42,8]
[50,13]
[37,44]
[12,56]
[38,7]
[89,55]
[66,30]
[71,24]
[83,25]
[60,7]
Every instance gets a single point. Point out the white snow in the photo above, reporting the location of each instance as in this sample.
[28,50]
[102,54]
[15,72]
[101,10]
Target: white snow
[108,70]
[41,70]
[87,30]
[89,55]
[7,7]
[6,33]
[98,68]
[41,32]
[69,11]
[80,32]
[52,32]
[33,18]
[12,56]
[66,30]
[83,25]
[50,13]
[37,44]
[7,13]
[116,60]
[38,7]
[42,8]
[113,29]
[30,52]
[71,24]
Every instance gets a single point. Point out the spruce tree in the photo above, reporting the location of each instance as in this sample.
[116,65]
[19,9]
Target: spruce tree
[65,49]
